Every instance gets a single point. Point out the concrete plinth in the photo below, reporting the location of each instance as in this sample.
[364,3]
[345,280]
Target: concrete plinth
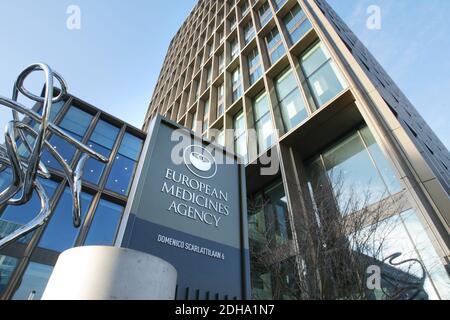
[109,273]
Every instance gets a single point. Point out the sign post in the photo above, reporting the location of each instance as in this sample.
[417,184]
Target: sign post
[188,207]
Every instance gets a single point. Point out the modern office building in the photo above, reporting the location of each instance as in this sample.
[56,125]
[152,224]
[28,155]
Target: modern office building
[26,265]
[287,78]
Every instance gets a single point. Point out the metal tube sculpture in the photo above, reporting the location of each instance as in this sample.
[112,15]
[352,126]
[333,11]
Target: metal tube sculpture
[26,170]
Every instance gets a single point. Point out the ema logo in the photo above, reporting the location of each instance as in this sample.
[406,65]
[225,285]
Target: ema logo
[200,162]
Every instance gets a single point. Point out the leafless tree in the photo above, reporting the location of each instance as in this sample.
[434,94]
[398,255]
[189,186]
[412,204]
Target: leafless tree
[342,234]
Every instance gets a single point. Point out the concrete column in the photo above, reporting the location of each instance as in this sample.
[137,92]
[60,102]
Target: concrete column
[110,273]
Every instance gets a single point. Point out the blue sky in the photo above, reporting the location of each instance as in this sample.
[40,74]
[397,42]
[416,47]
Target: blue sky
[114,60]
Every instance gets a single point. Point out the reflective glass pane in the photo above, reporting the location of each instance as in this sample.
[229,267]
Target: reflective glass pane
[60,234]
[382,163]
[104,226]
[290,100]
[7,267]
[353,174]
[54,111]
[124,165]
[102,141]
[16,216]
[406,235]
[261,106]
[265,133]
[5,178]
[66,150]
[325,84]
[76,122]
[34,282]
[314,58]
[131,146]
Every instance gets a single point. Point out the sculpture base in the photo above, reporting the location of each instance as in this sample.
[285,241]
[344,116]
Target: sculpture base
[109,273]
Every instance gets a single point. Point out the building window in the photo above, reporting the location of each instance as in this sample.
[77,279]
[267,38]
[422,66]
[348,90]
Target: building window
[290,100]
[7,267]
[249,32]
[34,282]
[14,217]
[263,122]
[124,166]
[234,47]
[279,3]
[220,100]
[54,111]
[274,45]
[269,229]
[205,122]
[60,235]
[240,136]
[232,23]
[322,74]
[254,66]
[197,90]
[102,141]
[405,233]
[221,37]
[265,13]
[296,23]
[194,120]
[221,63]
[236,84]
[357,172]
[75,123]
[245,8]
[221,137]
[208,77]
[104,227]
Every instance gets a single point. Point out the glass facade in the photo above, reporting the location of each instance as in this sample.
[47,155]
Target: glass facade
[275,45]
[323,77]
[240,135]
[249,32]
[290,100]
[220,100]
[13,217]
[60,235]
[100,217]
[125,164]
[7,267]
[254,66]
[75,123]
[33,282]
[263,122]
[269,233]
[357,170]
[265,13]
[309,80]
[236,84]
[102,141]
[406,235]
[105,224]
[279,3]
[296,23]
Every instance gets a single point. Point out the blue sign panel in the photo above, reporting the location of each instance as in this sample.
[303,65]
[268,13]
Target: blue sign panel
[187,206]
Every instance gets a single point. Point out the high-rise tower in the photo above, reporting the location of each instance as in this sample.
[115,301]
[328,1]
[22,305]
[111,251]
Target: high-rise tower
[289,78]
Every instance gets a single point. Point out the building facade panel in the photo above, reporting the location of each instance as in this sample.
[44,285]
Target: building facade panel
[293,82]
[27,264]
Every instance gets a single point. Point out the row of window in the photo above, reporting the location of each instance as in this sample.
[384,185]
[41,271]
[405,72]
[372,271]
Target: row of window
[102,140]
[358,175]
[295,23]
[323,80]
[59,234]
